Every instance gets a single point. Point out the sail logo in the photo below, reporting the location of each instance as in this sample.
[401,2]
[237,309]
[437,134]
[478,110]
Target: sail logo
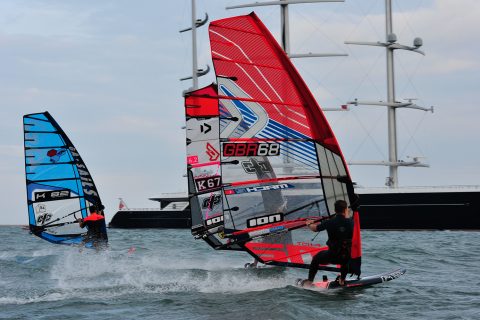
[252,166]
[205,128]
[87,182]
[212,153]
[284,252]
[251,149]
[268,188]
[51,195]
[260,221]
[55,155]
[41,208]
[308,244]
[43,218]
[211,202]
[258,189]
[214,221]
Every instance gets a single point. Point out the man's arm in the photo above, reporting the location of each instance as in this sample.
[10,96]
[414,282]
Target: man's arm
[317,227]
[81,223]
[321,226]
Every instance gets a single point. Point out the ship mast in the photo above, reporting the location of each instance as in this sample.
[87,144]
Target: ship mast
[392,117]
[194,47]
[391,45]
[195,71]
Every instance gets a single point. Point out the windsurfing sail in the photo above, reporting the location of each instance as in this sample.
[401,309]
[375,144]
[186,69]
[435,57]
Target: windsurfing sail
[261,156]
[60,189]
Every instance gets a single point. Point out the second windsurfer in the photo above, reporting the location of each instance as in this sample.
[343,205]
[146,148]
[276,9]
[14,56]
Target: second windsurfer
[96,227]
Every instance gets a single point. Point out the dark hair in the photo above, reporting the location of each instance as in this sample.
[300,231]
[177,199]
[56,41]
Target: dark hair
[340,206]
[95,208]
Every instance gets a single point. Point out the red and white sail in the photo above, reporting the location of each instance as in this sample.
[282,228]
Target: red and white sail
[262,157]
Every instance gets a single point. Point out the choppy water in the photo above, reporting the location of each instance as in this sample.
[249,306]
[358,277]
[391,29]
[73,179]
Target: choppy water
[172,276]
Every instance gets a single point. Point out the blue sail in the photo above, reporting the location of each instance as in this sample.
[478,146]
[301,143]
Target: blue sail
[60,189]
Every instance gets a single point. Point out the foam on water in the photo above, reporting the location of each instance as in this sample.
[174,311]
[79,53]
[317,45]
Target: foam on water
[170,275]
[135,273]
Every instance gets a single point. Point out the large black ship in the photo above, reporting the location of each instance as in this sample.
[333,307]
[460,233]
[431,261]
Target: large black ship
[174,212]
[414,208]
[420,208]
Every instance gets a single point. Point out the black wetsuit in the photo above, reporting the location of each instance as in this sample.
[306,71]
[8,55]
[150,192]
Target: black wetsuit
[96,229]
[340,233]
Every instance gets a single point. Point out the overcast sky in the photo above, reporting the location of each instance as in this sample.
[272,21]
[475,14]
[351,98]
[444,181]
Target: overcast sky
[108,71]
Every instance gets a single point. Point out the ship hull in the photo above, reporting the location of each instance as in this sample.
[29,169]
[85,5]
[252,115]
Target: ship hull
[151,219]
[420,210]
[379,210]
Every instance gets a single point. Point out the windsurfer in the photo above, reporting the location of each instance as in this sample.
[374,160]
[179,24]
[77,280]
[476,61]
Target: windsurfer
[340,233]
[96,227]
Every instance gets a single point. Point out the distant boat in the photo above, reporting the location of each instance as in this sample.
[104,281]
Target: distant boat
[174,212]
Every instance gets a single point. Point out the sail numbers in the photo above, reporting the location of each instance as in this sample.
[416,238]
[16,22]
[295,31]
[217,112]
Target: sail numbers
[250,149]
[208,183]
[51,195]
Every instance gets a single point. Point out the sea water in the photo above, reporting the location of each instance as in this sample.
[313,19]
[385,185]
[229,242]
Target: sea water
[166,274]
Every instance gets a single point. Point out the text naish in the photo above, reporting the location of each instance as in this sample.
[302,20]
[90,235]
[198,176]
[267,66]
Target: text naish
[85,178]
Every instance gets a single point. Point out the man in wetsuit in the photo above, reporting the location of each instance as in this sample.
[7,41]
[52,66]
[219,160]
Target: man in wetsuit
[96,227]
[340,234]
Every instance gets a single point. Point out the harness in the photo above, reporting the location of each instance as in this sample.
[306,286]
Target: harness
[341,249]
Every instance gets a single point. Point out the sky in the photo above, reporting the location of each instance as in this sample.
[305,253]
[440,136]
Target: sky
[108,71]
